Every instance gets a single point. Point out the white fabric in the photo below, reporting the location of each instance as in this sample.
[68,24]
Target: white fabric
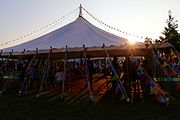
[73,35]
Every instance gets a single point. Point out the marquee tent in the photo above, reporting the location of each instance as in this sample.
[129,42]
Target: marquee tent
[74,35]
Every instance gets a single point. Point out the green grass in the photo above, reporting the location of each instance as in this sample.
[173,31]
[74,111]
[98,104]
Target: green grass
[29,107]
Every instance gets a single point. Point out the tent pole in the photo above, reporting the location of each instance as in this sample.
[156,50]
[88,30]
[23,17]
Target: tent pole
[1,54]
[129,82]
[90,99]
[80,11]
[33,60]
[119,83]
[45,73]
[65,62]
[107,88]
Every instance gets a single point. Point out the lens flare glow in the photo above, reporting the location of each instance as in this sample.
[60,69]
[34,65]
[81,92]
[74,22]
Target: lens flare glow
[132,41]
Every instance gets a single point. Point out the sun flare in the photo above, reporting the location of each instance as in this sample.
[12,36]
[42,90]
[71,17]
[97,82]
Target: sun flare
[132,41]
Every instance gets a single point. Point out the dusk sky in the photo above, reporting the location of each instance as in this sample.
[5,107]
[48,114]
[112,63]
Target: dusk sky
[145,18]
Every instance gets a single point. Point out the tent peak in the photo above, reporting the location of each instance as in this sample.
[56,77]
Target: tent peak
[80,11]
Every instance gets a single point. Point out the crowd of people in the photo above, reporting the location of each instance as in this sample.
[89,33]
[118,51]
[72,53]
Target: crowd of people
[129,71]
[21,69]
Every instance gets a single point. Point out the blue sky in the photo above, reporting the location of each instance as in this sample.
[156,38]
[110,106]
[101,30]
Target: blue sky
[140,17]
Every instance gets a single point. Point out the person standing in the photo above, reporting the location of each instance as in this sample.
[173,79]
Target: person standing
[59,77]
[21,75]
[90,67]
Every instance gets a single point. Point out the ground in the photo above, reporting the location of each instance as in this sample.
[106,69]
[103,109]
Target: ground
[51,108]
[106,106]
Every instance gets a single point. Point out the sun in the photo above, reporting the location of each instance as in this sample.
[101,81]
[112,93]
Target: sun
[132,41]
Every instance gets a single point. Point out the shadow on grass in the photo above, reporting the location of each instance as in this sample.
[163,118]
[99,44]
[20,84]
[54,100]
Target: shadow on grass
[106,107]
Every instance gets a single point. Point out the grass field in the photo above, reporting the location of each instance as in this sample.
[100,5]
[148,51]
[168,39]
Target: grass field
[106,106]
[13,107]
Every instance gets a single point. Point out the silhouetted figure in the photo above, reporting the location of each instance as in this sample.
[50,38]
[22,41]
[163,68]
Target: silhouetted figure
[59,77]
[32,75]
[21,75]
[90,67]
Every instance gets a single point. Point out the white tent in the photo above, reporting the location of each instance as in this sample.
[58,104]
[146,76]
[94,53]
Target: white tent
[73,35]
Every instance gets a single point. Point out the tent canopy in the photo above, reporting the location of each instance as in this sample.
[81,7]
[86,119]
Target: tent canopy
[73,35]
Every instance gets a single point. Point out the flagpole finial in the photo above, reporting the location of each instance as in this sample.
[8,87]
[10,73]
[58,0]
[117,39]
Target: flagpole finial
[80,11]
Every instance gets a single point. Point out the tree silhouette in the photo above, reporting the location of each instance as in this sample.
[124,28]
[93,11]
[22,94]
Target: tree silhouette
[170,32]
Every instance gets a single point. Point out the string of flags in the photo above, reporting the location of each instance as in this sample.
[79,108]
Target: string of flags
[167,65]
[42,28]
[113,28]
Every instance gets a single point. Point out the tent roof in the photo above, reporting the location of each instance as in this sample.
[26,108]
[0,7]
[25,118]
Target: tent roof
[73,35]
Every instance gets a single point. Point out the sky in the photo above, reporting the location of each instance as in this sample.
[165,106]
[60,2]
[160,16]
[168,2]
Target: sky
[147,18]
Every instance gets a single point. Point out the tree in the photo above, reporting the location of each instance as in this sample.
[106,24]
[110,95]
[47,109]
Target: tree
[170,32]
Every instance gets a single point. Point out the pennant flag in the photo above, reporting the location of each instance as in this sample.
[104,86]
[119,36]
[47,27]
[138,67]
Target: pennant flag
[162,100]
[154,91]
[151,84]
[164,64]
[159,93]
[114,78]
[172,54]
